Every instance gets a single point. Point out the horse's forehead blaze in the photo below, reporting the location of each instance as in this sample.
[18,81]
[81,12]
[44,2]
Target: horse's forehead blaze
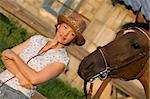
[127,31]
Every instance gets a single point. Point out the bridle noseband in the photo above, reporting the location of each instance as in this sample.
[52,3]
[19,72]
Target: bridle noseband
[102,74]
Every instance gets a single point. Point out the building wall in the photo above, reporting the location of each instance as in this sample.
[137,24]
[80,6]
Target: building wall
[104,24]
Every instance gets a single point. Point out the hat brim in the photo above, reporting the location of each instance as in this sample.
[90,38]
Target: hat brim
[63,19]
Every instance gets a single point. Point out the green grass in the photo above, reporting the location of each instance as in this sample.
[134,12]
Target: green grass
[12,34]
[57,89]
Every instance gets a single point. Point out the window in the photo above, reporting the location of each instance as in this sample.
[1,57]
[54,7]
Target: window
[57,7]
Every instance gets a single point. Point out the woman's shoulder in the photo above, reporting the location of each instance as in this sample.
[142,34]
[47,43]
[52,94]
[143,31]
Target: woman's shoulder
[37,37]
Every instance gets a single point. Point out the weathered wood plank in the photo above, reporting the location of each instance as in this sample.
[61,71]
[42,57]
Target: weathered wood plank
[38,96]
[78,52]
[130,88]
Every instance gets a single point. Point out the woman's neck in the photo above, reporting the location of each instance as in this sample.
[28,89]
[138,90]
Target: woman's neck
[55,44]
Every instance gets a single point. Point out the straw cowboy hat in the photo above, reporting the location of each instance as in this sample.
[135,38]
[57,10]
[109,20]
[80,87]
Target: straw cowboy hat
[75,21]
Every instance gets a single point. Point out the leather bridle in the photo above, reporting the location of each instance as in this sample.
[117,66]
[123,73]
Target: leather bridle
[102,75]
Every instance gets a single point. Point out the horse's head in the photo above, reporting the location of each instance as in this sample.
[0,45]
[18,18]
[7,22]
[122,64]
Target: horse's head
[122,58]
[91,65]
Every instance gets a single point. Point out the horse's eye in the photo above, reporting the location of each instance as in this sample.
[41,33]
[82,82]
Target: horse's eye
[135,46]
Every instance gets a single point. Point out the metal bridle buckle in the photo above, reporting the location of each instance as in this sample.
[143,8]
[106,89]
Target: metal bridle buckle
[103,75]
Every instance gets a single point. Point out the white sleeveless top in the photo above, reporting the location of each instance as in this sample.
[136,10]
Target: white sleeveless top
[38,63]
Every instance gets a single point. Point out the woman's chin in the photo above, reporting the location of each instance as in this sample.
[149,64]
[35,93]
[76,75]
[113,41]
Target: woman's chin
[61,42]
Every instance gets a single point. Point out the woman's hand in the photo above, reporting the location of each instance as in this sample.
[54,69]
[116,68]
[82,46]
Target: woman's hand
[8,54]
[25,83]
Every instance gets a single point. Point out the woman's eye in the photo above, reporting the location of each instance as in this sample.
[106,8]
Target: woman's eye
[65,27]
[73,34]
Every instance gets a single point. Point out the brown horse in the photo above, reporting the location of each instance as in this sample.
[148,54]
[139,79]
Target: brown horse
[126,57]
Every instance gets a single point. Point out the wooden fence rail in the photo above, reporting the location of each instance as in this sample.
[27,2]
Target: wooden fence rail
[129,88]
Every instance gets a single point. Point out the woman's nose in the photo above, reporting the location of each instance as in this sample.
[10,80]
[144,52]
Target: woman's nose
[66,33]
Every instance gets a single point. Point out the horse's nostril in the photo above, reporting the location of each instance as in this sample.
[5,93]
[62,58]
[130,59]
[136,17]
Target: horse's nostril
[89,66]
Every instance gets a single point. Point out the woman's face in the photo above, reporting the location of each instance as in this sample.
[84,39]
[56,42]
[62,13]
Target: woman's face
[65,34]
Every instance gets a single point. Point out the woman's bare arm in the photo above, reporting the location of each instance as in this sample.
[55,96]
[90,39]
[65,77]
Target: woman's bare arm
[11,66]
[9,63]
[50,71]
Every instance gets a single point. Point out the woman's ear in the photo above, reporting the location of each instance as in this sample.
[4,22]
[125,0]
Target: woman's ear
[58,26]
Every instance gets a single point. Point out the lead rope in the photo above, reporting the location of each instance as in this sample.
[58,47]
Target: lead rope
[89,94]
[91,90]
[38,54]
[2,83]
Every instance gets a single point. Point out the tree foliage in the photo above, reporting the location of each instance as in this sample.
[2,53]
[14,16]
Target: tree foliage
[11,33]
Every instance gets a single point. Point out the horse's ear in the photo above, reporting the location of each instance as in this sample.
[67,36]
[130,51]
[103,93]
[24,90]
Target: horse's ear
[139,17]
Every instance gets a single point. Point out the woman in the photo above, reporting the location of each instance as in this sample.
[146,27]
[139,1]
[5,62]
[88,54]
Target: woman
[39,59]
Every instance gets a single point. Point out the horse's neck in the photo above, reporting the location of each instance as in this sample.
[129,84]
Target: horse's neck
[144,79]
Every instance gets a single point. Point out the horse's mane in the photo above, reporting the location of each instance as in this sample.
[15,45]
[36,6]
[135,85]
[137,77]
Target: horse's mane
[140,25]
